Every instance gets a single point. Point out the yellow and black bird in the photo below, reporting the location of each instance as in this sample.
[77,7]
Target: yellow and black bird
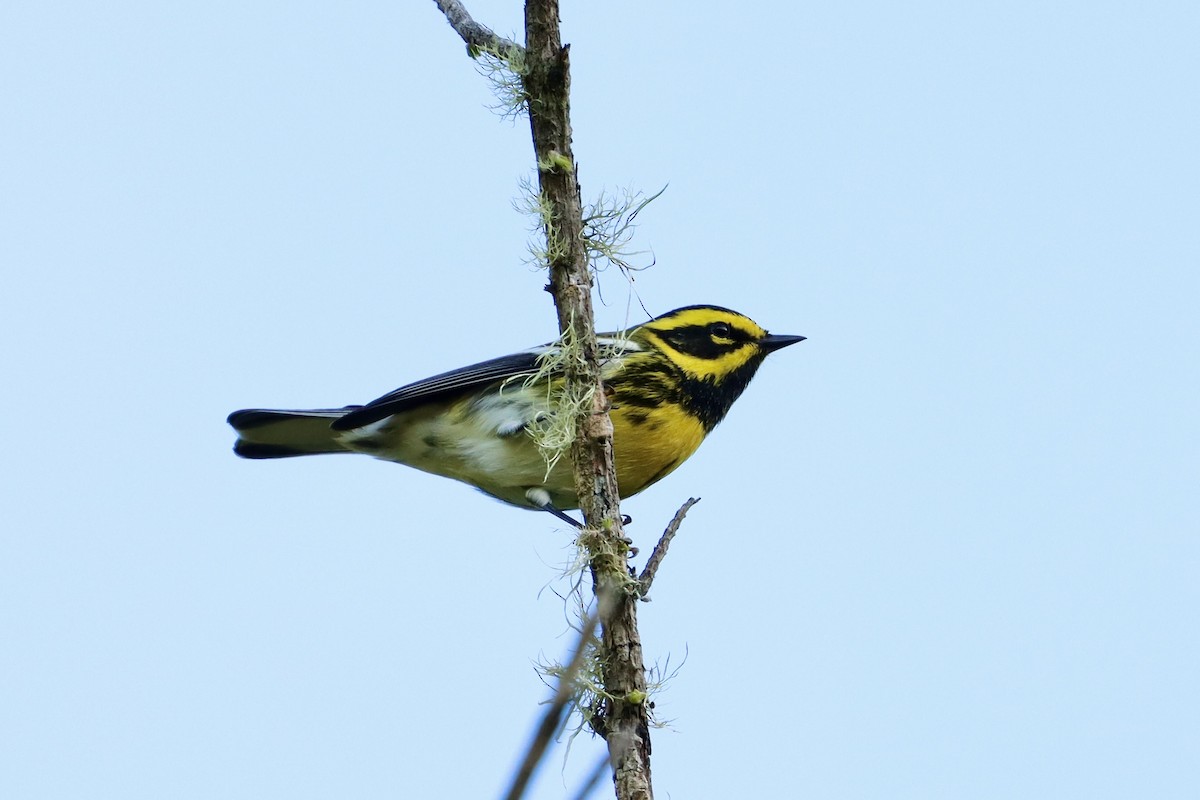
[670,381]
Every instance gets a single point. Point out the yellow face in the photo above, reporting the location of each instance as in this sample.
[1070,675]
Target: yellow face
[706,342]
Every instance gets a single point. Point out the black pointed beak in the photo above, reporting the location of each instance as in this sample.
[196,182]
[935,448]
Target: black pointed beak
[770,344]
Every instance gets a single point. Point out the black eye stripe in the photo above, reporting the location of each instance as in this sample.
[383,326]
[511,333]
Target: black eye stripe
[698,340]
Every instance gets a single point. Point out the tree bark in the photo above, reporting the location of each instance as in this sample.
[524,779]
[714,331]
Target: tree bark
[623,720]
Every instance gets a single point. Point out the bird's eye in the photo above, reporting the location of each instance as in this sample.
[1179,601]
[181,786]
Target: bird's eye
[719,329]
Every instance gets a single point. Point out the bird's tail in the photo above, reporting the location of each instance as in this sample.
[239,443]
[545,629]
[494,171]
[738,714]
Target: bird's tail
[267,433]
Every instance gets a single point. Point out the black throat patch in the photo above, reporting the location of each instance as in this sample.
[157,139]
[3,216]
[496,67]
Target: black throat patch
[660,381]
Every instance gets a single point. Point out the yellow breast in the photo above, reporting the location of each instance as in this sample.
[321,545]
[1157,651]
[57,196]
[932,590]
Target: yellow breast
[649,443]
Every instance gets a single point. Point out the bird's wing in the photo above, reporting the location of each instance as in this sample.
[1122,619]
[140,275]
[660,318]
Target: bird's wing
[465,379]
[439,387]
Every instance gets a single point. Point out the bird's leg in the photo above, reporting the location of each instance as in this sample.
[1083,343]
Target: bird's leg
[564,516]
[541,499]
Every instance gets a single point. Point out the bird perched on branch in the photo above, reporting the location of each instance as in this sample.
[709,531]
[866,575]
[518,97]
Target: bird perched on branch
[669,380]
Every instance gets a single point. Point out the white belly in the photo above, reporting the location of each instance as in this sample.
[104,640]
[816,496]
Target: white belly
[483,441]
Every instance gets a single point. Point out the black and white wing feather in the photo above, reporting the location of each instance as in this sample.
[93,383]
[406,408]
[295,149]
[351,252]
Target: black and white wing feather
[467,379]
[443,387]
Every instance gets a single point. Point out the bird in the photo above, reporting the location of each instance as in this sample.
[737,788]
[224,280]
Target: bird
[670,381]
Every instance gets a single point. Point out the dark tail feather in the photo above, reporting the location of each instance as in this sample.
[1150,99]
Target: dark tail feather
[256,450]
[268,433]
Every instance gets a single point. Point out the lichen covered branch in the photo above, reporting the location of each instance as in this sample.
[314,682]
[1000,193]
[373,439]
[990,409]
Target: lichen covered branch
[624,718]
[478,37]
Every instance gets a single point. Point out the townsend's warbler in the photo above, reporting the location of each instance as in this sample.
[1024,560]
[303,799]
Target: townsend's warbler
[669,380]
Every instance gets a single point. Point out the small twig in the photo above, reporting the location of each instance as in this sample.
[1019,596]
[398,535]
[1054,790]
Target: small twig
[478,37]
[593,780]
[554,712]
[660,549]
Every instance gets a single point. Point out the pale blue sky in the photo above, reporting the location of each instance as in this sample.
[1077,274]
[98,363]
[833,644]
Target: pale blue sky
[948,547]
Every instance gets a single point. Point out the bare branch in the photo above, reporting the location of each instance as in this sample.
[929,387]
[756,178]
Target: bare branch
[478,37]
[660,549]
[553,715]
